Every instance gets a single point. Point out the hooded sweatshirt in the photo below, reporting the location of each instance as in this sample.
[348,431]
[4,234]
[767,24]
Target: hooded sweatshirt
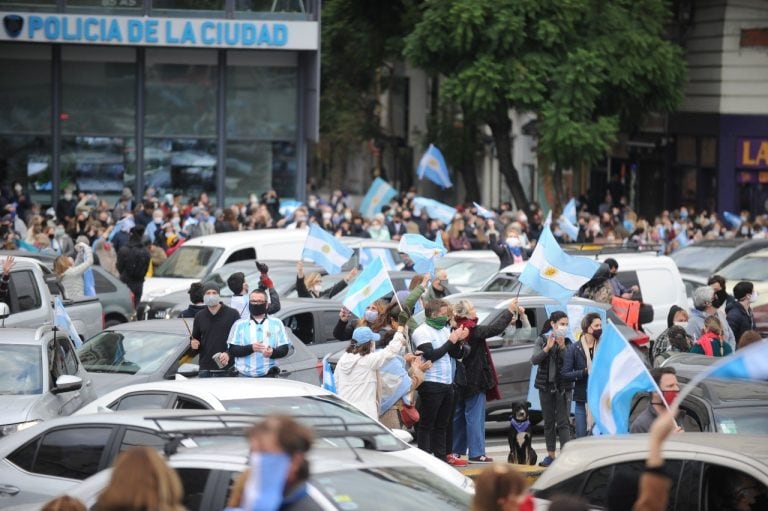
[356,375]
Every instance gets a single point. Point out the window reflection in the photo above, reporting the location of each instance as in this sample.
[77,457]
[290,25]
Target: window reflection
[101,165]
[184,165]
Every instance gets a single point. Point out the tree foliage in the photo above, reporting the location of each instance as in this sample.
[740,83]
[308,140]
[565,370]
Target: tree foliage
[587,68]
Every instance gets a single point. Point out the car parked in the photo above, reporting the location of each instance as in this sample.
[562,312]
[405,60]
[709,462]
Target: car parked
[707,257]
[752,267]
[143,351]
[468,270]
[702,467]
[41,377]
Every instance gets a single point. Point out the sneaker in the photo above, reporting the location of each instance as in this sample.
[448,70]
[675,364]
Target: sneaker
[481,459]
[546,461]
[455,461]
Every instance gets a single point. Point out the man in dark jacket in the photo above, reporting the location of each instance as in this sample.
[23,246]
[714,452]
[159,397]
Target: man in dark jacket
[133,263]
[210,333]
[195,301]
[740,317]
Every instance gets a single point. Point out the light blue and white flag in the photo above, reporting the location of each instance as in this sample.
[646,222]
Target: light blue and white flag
[422,251]
[123,225]
[379,194]
[435,209]
[324,249]
[732,219]
[682,239]
[394,384]
[485,213]
[370,285]
[568,228]
[264,488]
[62,320]
[617,375]
[288,207]
[569,211]
[433,167]
[555,274]
[367,255]
[329,383]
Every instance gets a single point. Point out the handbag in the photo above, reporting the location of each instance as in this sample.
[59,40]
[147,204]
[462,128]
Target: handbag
[409,415]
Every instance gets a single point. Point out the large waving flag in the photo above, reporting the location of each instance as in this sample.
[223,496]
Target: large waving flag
[379,194]
[324,249]
[422,251]
[568,228]
[62,320]
[367,255]
[485,213]
[329,383]
[617,375]
[370,285]
[433,167]
[555,274]
[435,209]
[569,211]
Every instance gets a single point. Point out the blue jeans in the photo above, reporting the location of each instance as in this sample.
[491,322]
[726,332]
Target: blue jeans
[469,425]
[581,419]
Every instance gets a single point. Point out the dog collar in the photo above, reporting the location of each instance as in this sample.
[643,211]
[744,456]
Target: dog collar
[521,427]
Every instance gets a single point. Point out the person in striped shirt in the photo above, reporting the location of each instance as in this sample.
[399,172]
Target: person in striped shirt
[257,342]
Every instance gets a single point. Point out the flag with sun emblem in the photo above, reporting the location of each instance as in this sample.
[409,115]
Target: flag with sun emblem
[617,375]
[379,194]
[369,286]
[555,274]
[324,249]
[433,167]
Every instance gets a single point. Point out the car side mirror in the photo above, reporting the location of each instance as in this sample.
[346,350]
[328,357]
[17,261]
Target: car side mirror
[188,370]
[5,311]
[403,435]
[67,383]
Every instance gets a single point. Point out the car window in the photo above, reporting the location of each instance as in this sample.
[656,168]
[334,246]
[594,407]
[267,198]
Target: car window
[24,456]
[508,283]
[23,292]
[688,488]
[102,284]
[629,279]
[701,257]
[245,254]
[729,488]
[518,334]
[189,403]
[70,359]
[302,325]
[599,480]
[21,369]
[747,268]
[138,438]
[194,481]
[142,401]
[189,262]
[571,486]
[130,352]
[327,322]
[74,453]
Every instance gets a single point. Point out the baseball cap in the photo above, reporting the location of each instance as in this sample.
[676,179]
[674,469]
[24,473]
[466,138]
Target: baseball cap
[364,334]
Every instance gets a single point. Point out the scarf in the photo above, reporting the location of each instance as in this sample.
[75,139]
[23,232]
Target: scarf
[438,323]
[520,427]
[468,323]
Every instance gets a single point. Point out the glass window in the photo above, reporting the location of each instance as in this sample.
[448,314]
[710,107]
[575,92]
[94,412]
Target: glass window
[257,8]
[137,438]
[28,5]
[24,293]
[698,257]
[246,254]
[187,8]
[74,453]
[25,126]
[102,284]
[21,369]
[104,5]
[188,403]
[189,262]
[143,402]
[25,457]
[131,352]
[193,480]
[302,326]
[70,360]
[686,149]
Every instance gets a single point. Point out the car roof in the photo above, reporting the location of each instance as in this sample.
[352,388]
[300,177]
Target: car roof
[170,326]
[731,242]
[26,336]
[226,239]
[632,259]
[501,299]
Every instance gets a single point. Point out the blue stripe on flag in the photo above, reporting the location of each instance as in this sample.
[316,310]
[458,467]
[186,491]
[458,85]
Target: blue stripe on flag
[370,285]
[569,211]
[750,363]
[62,320]
[329,383]
[435,209]
[432,166]
[379,194]
[326,250]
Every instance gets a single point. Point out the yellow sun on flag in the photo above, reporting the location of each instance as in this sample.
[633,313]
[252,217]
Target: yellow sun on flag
[549,271]
[433,163]
[326,249]
[375,199]
[367,290]
[607,402]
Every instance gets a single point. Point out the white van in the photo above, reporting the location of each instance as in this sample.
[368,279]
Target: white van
[657,277]
[199,257]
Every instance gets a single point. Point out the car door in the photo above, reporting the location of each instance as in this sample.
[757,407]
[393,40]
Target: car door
[325,342]
[63,360]
[54,462]
[24,300]
[301,364]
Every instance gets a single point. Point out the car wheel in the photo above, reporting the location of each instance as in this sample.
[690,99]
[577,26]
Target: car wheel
[113,320]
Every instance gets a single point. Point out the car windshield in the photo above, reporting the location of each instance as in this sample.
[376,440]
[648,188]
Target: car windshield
[742,420]
[189,262]
[399,487]
[747,268]
[467,273]
[699,257]
[21,369]
[129,352]
[507,282]
[322,413]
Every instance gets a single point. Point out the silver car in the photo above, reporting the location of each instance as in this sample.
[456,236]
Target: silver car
[41,377]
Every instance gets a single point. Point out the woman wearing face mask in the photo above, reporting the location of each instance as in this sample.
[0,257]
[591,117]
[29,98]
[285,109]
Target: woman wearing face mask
[674,339]
[375,317]
[578,364]
[311,286]
[377,230]
[357,370]
[549,355]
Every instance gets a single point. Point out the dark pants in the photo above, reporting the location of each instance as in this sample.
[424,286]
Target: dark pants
[214,373]
[137,288]
[435,410]
[554,410]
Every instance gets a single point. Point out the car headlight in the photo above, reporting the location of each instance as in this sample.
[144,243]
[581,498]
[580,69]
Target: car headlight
[7,429]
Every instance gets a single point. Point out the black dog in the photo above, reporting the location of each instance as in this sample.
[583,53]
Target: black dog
[519,436]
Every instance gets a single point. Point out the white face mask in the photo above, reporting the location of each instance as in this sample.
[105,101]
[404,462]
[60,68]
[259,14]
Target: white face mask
[211,300]
[561,331]
[681,324]
[753,297]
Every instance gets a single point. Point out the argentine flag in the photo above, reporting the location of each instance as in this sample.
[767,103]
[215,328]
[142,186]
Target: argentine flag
[62,320]
[568,228]
[617,375]
[379,194]
[432,166]
[485,213]
[324,249]
[329,383]
[555,274]
[734,220]
[435,209]
[366,255]
[569,211]
[422,251]
[682,239]
[370,285]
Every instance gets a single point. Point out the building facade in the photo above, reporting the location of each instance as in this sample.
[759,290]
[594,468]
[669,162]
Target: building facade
[185,96]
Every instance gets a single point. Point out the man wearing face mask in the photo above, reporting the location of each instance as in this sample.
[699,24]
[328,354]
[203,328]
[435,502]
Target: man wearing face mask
[439,288]
[279,469]
[703,306]
[722,300]
[256,343]
[210,332]
[666,379]
[740,317]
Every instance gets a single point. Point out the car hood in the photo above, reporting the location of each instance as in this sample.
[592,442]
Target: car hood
[107,382]
[160,286]
[17,408]
[437,467]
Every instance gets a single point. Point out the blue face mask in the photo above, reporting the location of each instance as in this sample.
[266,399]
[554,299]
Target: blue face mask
[371,316]
[265,486]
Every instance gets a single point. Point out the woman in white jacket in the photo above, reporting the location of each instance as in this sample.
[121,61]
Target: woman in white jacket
[356,371]
[71,272]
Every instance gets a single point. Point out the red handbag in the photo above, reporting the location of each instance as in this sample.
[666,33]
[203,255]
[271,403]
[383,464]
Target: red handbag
[409,415]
